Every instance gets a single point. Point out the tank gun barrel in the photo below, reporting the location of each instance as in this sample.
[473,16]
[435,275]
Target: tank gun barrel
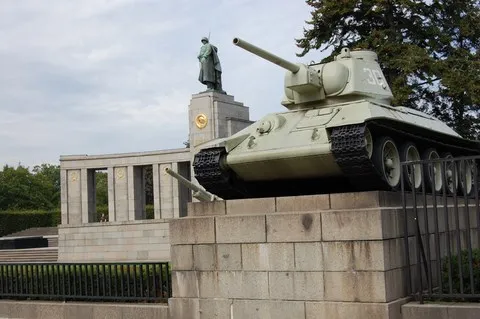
[198,192]
[292,67]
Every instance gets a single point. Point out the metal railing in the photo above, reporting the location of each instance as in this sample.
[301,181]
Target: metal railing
[442,228]
[113,282]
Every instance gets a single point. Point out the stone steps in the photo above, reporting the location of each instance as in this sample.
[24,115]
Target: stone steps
[52,241]
[49,254]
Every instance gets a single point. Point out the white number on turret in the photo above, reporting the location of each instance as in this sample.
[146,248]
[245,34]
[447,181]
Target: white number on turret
[374,77]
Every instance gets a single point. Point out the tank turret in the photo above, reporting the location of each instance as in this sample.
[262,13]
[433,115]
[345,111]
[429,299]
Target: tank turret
[353,75]
[340,134]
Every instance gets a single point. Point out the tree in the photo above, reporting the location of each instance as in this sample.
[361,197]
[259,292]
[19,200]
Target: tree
[148,175]
[423,49]
[101,183]
[458,38]
[20,189]
[51,175]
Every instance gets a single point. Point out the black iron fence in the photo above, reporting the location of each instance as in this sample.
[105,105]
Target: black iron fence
[139,282]
[442,228]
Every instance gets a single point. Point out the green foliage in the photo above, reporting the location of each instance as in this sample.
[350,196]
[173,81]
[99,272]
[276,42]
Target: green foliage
[81,281]
[22,189]
[148,173]
[101,182]
[11,222]
[50,174]
[427,50]
[149,211]
[452,263]
[32,198]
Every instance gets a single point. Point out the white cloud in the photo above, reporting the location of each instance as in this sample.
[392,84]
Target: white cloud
[103,76]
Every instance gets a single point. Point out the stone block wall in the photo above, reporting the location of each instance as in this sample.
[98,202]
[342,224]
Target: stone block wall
[324,256]
[146,240]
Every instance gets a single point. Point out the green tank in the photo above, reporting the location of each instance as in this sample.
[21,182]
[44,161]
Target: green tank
[340,133]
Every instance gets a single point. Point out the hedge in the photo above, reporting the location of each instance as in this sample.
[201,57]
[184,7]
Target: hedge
[15,221]
[112,282]
[465,272]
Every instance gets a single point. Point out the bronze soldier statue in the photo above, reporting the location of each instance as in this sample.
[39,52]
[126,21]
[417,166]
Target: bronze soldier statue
[210,68]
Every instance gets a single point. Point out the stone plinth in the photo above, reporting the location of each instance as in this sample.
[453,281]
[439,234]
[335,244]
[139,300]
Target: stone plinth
[332,256]
[214,115]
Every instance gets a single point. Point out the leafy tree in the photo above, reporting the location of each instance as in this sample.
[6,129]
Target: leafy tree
[148,175]
[101,182]
[20,189]
[51,175]
[458,40]
[427,50]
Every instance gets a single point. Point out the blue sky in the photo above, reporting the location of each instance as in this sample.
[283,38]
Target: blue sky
[113,76]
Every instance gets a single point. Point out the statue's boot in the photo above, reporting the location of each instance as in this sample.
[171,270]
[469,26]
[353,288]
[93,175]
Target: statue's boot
[211,86]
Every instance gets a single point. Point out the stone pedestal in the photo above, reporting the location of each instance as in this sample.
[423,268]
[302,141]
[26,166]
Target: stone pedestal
[338,256]
[214,115]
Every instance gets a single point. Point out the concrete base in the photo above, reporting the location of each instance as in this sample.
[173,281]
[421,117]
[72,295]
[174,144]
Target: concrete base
[70,310]
[334,256]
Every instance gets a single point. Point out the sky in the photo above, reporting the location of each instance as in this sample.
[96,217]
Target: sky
[114,76]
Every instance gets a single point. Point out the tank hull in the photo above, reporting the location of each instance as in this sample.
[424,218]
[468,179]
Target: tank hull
[319,150]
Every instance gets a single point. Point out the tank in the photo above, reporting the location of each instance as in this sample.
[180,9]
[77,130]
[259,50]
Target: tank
[339,133]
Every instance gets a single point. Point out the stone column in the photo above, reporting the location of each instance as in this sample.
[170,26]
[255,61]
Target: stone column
[131,192]
[121,193]
[111,194]
[166,191]
[156,191]
[64,195]
[74,196]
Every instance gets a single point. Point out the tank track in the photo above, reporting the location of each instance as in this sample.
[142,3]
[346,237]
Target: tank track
[350,153]
[213,177]
[348,148]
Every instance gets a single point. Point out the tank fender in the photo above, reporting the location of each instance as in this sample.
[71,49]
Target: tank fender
[234,141]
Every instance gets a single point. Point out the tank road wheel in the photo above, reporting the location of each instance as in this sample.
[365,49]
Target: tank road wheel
[412,173]
[368,142]
[466,177]
[386,159]
[432,171]
[451,174]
